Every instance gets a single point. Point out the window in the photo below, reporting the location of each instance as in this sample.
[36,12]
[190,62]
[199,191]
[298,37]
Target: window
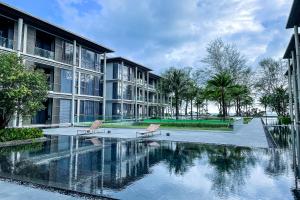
[90,85]
[90,111]
[67,55]
[66,81]
[90,60]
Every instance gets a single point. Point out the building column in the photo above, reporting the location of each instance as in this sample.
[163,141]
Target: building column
[136,94]
[17,118]
[25,39]
[104,89]
[73,84]
[296,104]
[291,110]
[143,105]
[79,85]
[122,90]
[147,112]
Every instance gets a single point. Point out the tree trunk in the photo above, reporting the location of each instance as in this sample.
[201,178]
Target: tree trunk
[191,109]
[223,104]
[176,107]
[186,108]
[197,111]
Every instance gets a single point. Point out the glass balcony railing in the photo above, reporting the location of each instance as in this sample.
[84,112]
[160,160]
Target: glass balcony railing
[139,81]
[7,43]
[140,98]
[44,53]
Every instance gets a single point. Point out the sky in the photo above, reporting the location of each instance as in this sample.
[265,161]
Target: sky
[171,33]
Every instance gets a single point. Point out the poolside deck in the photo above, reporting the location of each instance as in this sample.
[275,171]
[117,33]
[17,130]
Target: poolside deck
[250,135]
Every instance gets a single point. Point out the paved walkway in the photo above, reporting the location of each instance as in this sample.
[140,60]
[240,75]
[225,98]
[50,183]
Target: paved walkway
[12,191]
[250,135]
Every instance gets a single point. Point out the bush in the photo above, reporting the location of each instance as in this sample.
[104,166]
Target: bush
[285,120]
[10,134]
[246,120]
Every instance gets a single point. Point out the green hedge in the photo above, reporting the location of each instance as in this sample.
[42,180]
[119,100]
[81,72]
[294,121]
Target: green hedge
[246,120]
[285,120]
[10,134]
[185,124]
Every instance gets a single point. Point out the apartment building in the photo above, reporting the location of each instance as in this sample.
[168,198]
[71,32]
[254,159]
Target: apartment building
[79,90]
[74,66]
[132,91]
[292,54]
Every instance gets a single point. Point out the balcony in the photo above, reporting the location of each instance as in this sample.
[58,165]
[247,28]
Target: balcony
[44,53]
[140,81]
[140,98]
[7,43]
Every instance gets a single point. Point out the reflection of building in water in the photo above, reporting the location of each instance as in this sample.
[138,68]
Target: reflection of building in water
[87,165]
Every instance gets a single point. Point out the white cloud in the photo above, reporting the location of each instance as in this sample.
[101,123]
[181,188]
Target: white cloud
[168,33]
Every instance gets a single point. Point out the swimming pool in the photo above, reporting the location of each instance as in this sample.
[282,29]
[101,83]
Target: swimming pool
[144,169]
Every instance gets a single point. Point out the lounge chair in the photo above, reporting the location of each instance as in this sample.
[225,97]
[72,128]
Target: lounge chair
[150,130]
[93,129]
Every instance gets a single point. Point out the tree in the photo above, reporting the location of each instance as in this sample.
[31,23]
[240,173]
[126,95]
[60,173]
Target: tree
[265,100]
[199,100]
[279,101]
[270,75]
[22,90]
[240,94]
[221,58]
[175,81]
[220,84]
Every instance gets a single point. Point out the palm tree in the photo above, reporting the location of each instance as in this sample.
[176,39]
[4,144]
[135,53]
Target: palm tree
[175,81]
[221,83]
[199,100]
[239,93]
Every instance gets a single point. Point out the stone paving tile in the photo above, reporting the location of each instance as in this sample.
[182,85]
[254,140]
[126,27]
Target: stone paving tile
[250,135]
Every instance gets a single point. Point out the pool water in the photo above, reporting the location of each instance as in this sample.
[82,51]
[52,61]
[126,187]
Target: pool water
[147,169]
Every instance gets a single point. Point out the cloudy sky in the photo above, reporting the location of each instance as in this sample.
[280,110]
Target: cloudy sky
[160,34]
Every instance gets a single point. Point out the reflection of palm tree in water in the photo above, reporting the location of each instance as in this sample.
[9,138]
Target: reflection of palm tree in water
[181,159]
[231,168]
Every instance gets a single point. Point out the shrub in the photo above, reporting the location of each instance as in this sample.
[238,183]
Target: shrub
[284,120]
[246,120]
[10,134]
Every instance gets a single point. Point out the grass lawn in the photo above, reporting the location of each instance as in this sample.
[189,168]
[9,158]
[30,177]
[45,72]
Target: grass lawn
[203,121]
[143,126]
[203,124]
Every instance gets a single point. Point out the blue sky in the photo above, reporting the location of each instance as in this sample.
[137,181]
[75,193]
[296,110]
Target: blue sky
[160,34]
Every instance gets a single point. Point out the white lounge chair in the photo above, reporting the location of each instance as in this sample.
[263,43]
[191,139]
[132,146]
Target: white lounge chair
[93,129]
[152,128]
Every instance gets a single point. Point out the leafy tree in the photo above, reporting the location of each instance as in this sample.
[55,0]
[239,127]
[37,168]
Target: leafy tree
[220,84]
[199,100]
[279,101]
[240,94]
[22,90]
[175,81]
[222,57]
[270,75]
[265,101]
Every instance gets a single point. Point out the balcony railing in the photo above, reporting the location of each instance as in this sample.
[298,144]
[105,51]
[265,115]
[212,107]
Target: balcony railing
[140,98]
[44,53]
[139,81]
[7,43]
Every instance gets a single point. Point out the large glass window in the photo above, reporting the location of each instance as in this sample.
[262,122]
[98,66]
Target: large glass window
[65,111]
[67,54]
[90,60]
[6,32]
[66,81]
[44,45]
[90,85]
[90,111]
[115,70]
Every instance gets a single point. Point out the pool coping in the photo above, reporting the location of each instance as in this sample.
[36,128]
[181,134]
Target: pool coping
[20,142]
[48,188]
